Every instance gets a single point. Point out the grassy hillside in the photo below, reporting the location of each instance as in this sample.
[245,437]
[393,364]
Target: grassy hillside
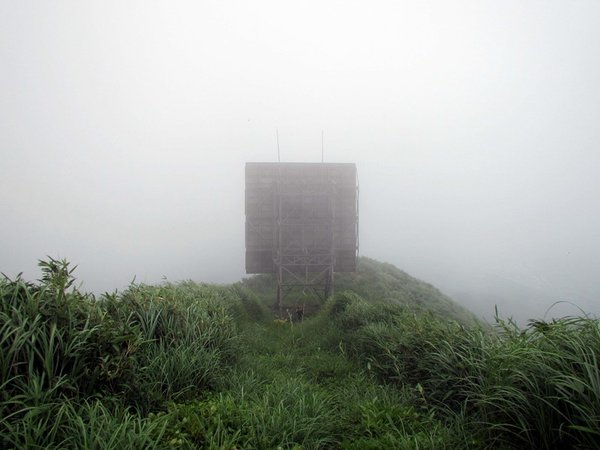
[190,365]
[375,282]
[381,282]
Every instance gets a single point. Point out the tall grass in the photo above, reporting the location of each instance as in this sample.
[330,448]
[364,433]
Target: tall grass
[537,387]
[56,343]
[82,425]
[196,366]
[189,337]
[63,351]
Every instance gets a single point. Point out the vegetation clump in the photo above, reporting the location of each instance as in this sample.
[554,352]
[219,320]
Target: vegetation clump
[187,365]
[67,356]
[536,387]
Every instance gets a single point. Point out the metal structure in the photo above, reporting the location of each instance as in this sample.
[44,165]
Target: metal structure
[301,223]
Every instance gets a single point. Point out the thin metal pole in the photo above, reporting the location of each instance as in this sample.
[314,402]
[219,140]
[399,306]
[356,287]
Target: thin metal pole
[278,154]
[279,243]
[322,151]
[279,247]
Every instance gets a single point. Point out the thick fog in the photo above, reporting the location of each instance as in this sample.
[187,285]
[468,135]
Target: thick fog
[475,127]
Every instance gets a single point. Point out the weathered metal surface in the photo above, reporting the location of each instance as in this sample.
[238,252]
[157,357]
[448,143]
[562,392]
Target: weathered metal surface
[301,219]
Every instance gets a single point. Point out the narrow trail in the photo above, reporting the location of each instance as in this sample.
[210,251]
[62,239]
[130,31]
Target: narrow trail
[307,385]
[296,350]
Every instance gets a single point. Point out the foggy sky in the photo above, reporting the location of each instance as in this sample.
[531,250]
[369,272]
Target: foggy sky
[125,126]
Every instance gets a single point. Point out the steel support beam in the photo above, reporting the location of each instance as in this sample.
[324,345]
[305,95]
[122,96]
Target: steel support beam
[301,262]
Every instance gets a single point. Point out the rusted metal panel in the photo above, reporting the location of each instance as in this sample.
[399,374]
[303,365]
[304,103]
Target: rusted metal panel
[299,213]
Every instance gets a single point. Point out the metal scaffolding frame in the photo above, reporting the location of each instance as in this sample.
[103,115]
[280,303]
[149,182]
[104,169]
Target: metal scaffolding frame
[301,224]
[300,263]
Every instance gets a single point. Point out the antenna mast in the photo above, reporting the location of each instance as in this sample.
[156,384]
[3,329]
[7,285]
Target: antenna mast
[277,135]
[322,151]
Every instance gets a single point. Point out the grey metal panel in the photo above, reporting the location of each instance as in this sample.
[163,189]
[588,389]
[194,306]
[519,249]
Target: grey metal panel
[318,214]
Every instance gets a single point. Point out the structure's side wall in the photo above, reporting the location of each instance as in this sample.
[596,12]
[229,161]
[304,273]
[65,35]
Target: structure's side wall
[316,198]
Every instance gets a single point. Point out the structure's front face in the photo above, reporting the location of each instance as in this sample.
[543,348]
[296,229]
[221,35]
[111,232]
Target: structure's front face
[301,218]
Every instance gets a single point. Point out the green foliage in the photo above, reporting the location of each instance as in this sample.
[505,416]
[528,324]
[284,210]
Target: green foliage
[378,282]
[252,308]
[285,414]
[61,349]
[387,339]
[186,365]
[537,387]
[95,424]
[388,418]
[202,424]
[57,343]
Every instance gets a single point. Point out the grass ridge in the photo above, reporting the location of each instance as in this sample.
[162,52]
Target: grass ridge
[388,362]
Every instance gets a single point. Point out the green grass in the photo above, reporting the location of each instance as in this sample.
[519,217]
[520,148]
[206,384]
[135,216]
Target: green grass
[375,282]
[134,352]
[512,388]
[388,363]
